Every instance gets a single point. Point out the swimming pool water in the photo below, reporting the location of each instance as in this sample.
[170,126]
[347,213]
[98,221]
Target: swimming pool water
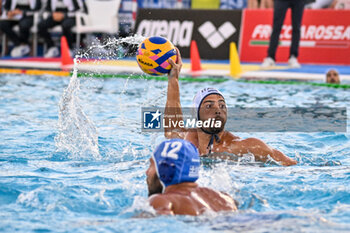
[56,185]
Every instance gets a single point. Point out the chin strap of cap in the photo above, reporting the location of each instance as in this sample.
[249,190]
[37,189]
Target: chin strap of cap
[213,137]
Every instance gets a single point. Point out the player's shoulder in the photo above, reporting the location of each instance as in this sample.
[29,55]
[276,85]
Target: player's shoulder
[249,142]
[161,203]
[157,199]
[228,136]
[221,198]
[253,140]
[256,143]
[208,192]
[192,136]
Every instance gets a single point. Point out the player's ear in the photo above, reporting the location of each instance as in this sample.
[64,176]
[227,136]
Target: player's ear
[166,171]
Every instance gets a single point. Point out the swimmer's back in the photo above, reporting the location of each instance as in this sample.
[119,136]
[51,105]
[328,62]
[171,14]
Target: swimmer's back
[192,202]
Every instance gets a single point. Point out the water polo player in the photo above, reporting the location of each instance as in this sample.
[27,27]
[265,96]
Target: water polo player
[210,104]
[171,178]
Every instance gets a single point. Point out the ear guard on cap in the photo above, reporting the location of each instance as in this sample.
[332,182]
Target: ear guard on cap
[166,171]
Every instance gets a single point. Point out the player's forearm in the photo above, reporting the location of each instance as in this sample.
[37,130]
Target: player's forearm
[263,152]
[173,95]
[282,158]
[173,111]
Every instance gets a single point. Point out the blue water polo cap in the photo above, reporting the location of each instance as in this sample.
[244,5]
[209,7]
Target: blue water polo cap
[200,96]
[177,161]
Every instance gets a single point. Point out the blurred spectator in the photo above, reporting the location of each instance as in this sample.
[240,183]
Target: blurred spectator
[60,12]
[19,13]
[340,4]
[170,4]
[253,4]
[127,17]
[319,4]
[266,4]
[335,4]
[332,76]
[233,4]
[279,13]
[260,4]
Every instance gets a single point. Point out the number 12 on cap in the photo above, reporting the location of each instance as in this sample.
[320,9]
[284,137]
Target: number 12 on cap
[172,153]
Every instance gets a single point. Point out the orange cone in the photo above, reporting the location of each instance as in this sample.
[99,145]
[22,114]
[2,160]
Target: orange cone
[65,56]
[194,55]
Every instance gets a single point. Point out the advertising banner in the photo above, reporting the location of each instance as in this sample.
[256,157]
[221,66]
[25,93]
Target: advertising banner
[325,36]
[213,30]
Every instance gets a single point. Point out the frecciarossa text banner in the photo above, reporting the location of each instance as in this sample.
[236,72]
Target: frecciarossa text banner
[213,30]
[325,36]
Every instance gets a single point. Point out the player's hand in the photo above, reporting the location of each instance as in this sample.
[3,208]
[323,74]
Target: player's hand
[175,66]
[10,14]
[13,13]
[58,16]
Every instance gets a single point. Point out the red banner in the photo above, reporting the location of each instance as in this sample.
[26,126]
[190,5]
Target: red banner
[325,36]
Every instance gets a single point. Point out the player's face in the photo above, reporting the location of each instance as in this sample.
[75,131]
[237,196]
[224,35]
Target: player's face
[153,183]
[213,106]
[333,77]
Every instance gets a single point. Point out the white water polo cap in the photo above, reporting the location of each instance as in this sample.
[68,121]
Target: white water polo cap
[200,96]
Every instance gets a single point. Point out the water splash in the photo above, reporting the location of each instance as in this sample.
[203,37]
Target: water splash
[110,49]
[140,208]
[77,133]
